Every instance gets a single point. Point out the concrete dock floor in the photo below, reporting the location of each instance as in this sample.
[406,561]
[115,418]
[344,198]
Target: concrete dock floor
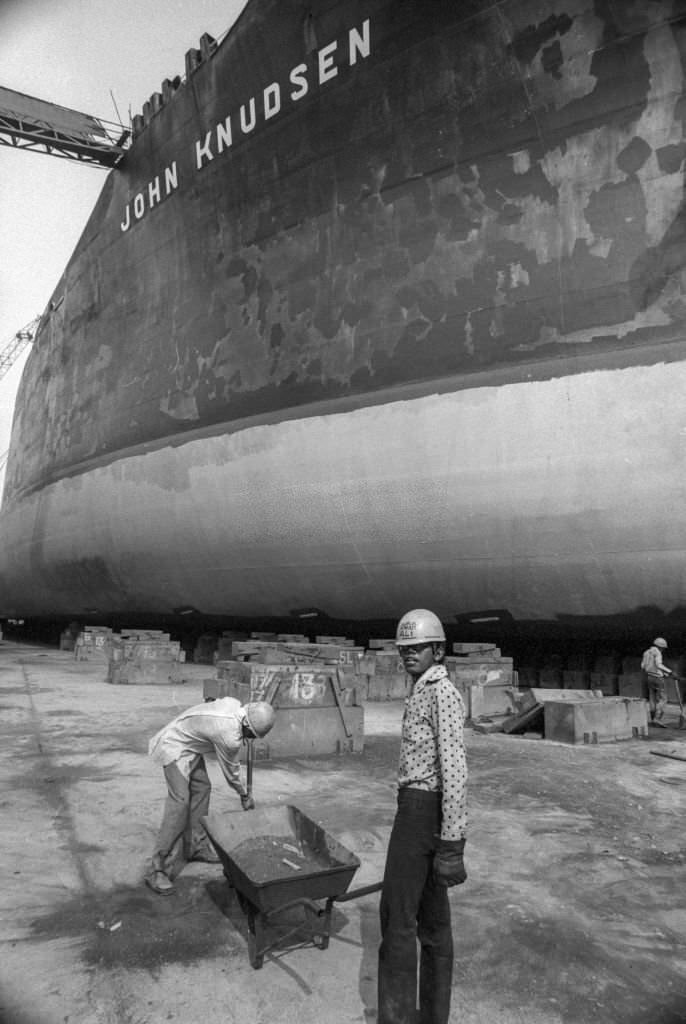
[574,910]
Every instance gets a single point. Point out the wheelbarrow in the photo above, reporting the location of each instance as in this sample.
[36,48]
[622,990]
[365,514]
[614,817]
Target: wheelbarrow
[277,859]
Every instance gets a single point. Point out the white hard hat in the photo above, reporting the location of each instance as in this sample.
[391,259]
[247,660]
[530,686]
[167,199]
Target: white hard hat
[420,626]
[260,717]
[659,641]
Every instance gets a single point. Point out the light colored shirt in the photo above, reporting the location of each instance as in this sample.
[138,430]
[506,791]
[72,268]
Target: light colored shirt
[213,727]
[432,754]
[652,662]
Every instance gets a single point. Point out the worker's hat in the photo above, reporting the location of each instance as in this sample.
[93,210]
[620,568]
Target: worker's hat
[419,626]
[260,717]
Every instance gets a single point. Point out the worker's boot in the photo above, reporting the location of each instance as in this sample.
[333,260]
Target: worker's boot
[157,878]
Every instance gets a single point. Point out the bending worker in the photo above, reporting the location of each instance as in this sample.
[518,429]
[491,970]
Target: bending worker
[425,850]
[656,673]
[218,727]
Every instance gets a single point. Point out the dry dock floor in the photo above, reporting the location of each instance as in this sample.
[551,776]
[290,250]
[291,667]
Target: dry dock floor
[573,911]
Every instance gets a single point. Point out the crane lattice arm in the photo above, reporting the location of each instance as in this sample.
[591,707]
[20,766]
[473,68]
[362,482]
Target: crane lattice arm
[27,122]
[13,348]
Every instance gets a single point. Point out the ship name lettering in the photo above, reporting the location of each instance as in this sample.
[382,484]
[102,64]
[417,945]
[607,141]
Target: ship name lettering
[297,78]
[247,126]
[327,67]
[151,195]
[272,100]
[224,135]
[359,46]
[220,138]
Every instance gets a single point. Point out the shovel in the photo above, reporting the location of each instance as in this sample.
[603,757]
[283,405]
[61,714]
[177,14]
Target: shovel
[249,760]
[677,686]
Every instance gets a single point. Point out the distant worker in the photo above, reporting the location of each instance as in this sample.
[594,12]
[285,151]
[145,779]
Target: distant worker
[218,727]
[426,846]
[656,673]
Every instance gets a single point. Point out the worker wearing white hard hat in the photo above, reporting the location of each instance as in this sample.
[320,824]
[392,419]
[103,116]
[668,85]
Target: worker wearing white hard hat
[219,727]
[426,847]
[655,672]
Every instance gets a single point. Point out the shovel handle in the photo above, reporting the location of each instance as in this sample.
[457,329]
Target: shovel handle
[249,758]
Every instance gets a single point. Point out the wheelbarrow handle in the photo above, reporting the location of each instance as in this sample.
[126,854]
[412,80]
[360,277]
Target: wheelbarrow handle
[353,894]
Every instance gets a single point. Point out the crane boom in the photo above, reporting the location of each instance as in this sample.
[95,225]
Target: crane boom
[27,122]
[13,348]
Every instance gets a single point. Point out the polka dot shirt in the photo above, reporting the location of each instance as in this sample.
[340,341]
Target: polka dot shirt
[432,754]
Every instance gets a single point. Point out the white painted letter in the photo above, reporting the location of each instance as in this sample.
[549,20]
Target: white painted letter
[154,192]
[203,151]
[327,67]
[170,178]
[248,127]
[139,205]
[126,223]
[224,137]
[359,43]
[297,77]
[272,100]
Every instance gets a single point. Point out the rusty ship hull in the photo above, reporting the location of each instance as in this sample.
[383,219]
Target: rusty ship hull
[383,307]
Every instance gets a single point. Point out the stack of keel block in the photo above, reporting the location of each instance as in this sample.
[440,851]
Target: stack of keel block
[291,652]
[386,676]
[578,716]
[93,643]
[224,642]
[205,650]
[144,657]
[311,688]
[484,678]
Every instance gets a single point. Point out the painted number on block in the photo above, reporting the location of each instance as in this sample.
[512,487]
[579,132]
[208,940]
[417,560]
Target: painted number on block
[307,688]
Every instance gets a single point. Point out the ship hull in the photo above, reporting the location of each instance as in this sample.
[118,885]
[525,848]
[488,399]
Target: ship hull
[544,498]
[390,314]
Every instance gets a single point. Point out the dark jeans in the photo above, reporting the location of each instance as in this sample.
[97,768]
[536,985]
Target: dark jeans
[187,801]
[413,907]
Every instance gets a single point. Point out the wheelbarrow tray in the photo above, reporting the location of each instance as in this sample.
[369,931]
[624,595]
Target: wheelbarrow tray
[335,869]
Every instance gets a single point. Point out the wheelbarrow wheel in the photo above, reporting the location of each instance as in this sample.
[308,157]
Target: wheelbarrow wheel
[320,924]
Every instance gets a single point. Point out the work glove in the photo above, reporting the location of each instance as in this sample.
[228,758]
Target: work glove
[247,802]
[448,868]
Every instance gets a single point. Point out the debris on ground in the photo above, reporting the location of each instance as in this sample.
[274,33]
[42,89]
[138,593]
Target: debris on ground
[676,753]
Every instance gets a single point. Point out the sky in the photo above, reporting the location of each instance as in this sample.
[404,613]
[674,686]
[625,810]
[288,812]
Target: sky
[87,55]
